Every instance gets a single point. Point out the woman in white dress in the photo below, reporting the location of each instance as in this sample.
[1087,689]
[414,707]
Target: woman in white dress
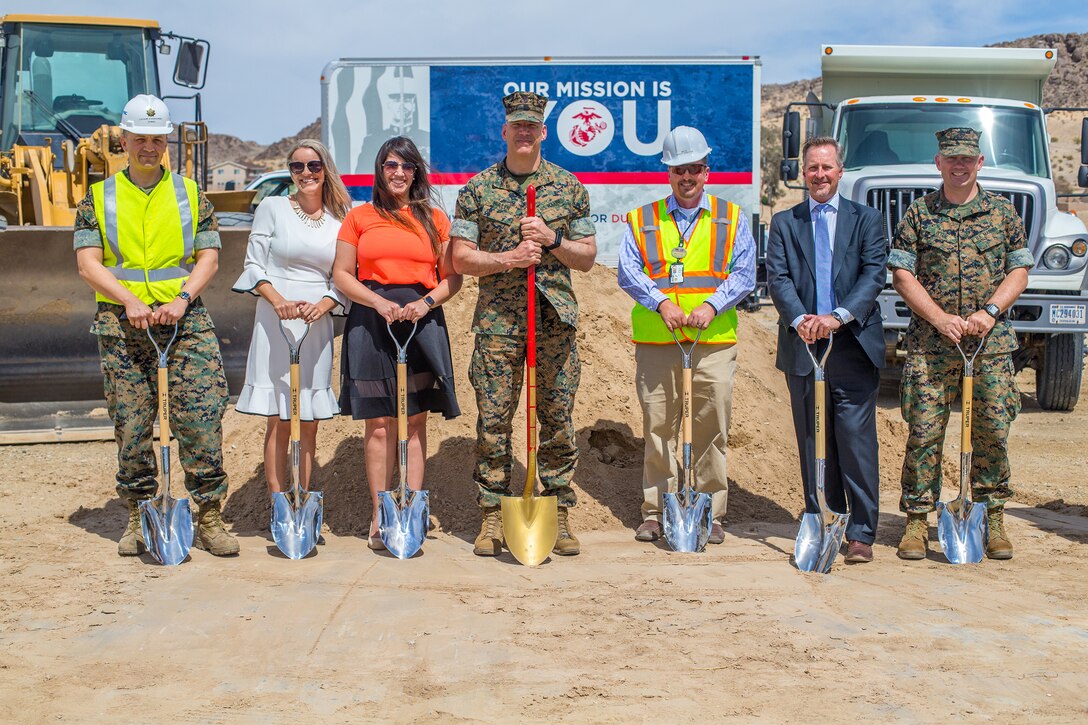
[289,266]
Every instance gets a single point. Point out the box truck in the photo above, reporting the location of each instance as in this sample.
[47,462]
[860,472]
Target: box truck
[606,119]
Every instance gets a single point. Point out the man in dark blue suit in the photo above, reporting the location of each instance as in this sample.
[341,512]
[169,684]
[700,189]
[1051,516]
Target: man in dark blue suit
[825,268]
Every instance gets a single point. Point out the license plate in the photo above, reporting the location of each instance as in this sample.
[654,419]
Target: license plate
[1067,314]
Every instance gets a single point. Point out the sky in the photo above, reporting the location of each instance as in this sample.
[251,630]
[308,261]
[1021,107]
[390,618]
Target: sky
[267,56]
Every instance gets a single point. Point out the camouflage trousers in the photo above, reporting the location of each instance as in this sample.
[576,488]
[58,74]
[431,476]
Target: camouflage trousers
[496,374]
[198,399]
[930,384]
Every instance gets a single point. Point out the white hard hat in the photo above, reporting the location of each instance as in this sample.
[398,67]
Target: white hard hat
[683,145]
[146,116]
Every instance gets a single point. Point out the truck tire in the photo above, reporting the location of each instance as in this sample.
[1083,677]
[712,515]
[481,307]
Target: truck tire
[1057,379]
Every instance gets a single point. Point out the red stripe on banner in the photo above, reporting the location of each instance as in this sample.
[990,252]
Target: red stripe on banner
[591,177]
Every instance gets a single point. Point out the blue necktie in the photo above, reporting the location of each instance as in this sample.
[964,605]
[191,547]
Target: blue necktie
[825,296]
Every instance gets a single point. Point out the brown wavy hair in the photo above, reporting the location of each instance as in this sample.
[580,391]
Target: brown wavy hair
[420,193]
[334,195]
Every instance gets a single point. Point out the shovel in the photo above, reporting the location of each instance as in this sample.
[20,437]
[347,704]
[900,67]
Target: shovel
[687,515]
[167,523]
[530,523]
[403,527]
[296,519]
[820,535]
[961,524]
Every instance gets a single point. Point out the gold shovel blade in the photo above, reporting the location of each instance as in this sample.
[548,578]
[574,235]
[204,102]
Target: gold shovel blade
[530,526]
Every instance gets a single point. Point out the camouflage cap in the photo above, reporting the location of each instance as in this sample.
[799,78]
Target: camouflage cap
[958,142]
[524,106]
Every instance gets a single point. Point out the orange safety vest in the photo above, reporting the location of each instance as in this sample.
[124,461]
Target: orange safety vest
[706,264]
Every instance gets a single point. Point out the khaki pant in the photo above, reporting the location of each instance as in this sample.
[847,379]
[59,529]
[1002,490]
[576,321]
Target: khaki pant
[660,390]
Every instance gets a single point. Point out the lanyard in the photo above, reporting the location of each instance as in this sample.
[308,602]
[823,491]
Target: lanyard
[684,235]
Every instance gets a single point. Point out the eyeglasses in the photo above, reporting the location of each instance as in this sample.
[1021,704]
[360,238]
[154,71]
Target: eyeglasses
[314,166]
[689,170]
[392,166]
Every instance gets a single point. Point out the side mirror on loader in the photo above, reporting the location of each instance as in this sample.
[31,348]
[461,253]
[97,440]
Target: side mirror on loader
[190,69]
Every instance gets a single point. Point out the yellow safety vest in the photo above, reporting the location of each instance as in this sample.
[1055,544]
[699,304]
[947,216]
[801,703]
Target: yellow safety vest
[147,238]
[706,264]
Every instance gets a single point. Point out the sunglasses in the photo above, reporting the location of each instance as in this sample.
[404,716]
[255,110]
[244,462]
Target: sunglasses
[392,166]
[314,166]
[689,170]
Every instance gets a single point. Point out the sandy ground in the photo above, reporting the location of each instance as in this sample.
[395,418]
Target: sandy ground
[624,632]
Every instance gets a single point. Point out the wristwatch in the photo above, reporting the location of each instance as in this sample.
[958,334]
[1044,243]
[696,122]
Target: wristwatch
[558,240]
[429,301]
[992,310]
[186,296]
[838,318]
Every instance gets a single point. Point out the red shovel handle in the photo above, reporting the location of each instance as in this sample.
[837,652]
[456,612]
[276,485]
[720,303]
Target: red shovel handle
[530,204]
[530,363]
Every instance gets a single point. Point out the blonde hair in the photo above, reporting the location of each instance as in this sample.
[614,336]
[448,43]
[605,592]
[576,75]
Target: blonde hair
[334,195]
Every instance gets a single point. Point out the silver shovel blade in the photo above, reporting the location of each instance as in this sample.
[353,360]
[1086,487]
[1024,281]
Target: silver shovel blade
[817,544]
[961,529]
[296,530]
[403,528]
[687,527]
[167,524]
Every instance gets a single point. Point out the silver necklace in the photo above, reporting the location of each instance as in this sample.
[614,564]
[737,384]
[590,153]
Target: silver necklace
[307,219]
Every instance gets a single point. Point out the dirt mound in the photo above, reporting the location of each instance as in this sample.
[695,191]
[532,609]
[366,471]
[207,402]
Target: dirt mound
[764,478]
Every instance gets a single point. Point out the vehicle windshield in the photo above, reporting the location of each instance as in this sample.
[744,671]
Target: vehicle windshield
[903,133]
[73,79]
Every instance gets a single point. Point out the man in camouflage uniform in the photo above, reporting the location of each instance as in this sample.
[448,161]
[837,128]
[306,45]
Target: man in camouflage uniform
[134,299]
[495,241]
[959,261]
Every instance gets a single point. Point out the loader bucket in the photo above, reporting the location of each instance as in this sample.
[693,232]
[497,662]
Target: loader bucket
[47,352]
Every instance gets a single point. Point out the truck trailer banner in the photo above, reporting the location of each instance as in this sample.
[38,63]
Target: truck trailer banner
[605,124]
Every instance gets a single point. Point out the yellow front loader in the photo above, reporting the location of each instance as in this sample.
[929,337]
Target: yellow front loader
[63,84]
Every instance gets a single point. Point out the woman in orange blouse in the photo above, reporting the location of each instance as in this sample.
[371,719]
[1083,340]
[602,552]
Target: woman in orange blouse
[393,262]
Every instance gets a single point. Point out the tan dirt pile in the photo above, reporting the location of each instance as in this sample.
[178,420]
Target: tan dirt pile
[764,476]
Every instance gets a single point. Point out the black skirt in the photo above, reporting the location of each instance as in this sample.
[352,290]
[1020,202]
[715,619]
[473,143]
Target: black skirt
[368,360]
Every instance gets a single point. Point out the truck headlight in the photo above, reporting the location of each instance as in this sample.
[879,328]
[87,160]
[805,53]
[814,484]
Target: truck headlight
[1080,248]
[1056,257]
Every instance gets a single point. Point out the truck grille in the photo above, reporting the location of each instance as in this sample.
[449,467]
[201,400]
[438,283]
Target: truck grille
[892,203]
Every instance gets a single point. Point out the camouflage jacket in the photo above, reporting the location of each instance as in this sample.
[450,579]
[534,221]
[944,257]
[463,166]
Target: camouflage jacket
[960,254]
[87,234]
[489,212]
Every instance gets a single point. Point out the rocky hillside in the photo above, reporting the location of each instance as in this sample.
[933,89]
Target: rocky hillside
[222,147]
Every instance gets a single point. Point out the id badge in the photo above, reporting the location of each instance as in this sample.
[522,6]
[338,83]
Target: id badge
[676,273]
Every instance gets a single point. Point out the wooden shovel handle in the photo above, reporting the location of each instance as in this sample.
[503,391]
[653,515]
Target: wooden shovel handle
[164,406]
[296,413]
[967,405]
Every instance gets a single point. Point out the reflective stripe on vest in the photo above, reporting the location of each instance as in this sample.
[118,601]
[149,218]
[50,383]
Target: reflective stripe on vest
[706,264]
[128,241]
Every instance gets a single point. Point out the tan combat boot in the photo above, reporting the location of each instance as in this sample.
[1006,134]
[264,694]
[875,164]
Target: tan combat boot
[915,538]
[998,545]
[489,542]
[566,544]
[210,534]
[132,541]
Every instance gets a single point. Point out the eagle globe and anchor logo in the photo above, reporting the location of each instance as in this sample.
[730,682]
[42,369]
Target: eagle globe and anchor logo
[585,128]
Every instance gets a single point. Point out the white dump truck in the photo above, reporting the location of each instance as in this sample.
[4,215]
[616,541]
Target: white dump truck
[884,104]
